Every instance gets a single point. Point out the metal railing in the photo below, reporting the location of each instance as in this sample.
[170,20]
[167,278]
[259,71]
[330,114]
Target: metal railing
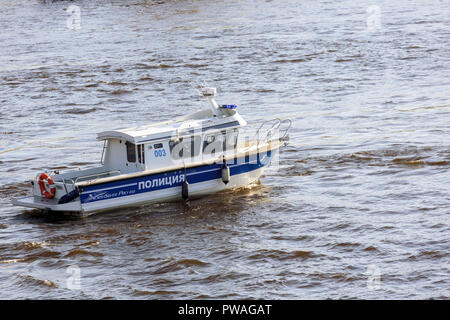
[97,175]
[268,128]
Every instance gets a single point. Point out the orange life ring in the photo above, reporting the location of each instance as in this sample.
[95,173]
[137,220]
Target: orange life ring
[44,181]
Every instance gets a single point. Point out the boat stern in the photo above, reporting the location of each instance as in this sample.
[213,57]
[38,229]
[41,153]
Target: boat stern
[59,201]
[42,203]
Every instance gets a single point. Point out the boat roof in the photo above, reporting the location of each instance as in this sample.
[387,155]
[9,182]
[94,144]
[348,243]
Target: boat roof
[186,125]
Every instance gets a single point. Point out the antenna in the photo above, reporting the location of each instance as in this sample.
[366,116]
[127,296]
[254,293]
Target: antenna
[209,93]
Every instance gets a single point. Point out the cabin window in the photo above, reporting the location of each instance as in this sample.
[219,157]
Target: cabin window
[131,151]
[213,144]
[187,147]
[231,139]
[141,154]
[218,142]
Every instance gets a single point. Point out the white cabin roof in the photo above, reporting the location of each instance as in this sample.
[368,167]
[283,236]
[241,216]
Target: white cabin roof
[195,123]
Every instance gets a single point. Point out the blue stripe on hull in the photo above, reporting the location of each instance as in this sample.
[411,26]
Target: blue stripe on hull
[170,179]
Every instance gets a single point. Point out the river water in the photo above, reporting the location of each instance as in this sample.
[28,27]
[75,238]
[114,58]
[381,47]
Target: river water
[357,208]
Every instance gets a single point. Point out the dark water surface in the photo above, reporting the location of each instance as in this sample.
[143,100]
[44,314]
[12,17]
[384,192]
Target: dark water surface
[362,192]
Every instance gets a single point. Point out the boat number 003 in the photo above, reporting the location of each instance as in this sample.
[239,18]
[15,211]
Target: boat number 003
[160,153]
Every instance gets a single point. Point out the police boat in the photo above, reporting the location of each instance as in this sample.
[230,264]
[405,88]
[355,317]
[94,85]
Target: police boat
[190,156]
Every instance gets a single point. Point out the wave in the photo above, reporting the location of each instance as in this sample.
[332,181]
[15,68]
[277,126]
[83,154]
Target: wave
[282,255]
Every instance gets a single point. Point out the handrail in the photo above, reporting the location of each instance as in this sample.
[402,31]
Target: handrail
[275,125]
[64,183]
[97,175]
[284,136]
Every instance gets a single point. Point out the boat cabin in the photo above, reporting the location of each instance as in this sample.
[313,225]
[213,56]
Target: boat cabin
[160,145]
[193,138]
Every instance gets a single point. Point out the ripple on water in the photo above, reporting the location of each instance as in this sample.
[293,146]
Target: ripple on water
[80,110]
[282,255]
[28,255]
[168,294]
[28,280]
[429,255]
[172,265]
[82,252]
[120,92]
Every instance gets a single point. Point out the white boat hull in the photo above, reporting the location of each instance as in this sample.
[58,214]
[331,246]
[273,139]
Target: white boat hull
[174,193]
[162,187]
